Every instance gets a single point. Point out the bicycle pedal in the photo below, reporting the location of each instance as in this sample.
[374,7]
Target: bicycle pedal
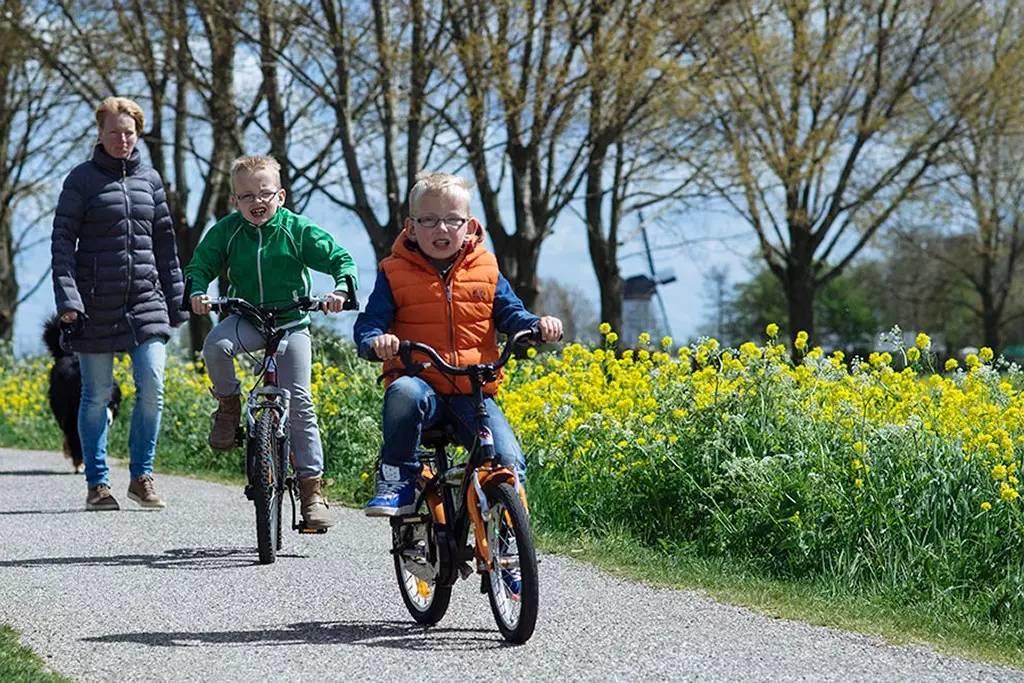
[311,530]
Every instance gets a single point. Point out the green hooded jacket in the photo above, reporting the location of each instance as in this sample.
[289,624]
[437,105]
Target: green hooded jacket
[269,265]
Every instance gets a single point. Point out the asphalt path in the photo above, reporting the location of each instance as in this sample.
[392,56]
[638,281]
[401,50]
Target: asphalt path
[177,595]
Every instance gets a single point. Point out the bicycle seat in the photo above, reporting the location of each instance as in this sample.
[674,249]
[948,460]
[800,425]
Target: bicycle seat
[438,437]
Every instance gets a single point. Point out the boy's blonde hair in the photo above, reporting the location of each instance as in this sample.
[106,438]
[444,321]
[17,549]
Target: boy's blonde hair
[437,183]
[252,163]
[121,105]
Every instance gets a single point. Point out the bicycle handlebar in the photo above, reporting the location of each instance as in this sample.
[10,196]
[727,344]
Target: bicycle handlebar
[303,303]
[407,348]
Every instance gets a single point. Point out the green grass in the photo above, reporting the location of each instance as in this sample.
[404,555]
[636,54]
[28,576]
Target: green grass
[820,603]
[19,665]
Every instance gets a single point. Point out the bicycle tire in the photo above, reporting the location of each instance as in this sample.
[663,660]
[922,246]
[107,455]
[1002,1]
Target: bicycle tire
[264,480]
[426,601]
[282,475]
[507,518]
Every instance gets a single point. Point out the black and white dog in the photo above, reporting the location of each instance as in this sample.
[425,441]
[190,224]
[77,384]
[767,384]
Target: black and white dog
[66,391]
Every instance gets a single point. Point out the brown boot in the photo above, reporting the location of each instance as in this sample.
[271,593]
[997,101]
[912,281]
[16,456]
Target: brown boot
[225,422]
[314,505]
[143,492]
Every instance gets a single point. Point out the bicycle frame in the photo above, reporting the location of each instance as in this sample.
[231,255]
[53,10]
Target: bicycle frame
[267,451]
[473,476]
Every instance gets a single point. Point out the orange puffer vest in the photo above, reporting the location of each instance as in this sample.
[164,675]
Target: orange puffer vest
[454,315]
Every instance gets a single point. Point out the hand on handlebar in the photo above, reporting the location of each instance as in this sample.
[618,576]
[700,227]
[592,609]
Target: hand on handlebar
[334,302]
[385,346]
[200,304]
[550,328]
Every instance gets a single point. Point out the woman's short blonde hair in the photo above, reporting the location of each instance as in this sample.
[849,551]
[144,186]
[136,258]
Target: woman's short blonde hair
[121,105]
[437,183]
[252,163]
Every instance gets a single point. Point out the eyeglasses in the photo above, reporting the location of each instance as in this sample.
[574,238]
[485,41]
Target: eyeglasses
[431,222]
[263,196]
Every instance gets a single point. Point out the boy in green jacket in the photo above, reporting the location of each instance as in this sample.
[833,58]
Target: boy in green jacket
[268,250]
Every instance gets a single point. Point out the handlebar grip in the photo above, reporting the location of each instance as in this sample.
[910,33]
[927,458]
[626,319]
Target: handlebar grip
[351,302]
[186,296]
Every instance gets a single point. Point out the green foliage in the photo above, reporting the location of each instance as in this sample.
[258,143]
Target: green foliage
[845,310]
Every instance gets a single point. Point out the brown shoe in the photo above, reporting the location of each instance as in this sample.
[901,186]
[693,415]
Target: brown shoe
[143,492]
[314,505]
[99,498]
[225,423]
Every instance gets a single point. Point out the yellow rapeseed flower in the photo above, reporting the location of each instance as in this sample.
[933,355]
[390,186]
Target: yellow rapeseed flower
[1007,493]
[985,506]
[666,342]
[772,330]
[604,328]
[951,365]
[644,339]
[985,354]
[923,341]
[913,354]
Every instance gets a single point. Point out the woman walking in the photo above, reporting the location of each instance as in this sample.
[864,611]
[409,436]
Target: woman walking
[117,281]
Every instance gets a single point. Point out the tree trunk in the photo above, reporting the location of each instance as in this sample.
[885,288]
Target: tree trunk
[8,278]
[800,290]
[271,92]
[991,315]
[603,251]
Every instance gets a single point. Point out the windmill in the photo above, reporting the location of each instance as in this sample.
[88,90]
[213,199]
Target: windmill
[643,309]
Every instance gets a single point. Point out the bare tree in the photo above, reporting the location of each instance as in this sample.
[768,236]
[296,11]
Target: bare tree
[978,207]
[516,112]
[825,110]
[178,60]
[32,140]
[370,67]
[572,305]
[637,122]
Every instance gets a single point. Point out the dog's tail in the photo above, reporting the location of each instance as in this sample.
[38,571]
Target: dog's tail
[51,337]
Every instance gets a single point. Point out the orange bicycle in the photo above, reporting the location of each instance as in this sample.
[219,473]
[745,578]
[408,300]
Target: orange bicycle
[432,547]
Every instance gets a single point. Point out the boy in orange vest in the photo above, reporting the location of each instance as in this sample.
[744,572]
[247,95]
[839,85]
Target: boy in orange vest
[442,287]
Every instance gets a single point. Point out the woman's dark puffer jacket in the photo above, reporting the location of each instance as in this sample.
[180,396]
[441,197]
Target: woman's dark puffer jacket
[114,255]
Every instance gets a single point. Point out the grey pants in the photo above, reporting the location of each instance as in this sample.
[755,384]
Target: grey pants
[234,335]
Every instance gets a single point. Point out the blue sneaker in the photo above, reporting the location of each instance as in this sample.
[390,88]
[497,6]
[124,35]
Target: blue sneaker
[394,495]
[511,578]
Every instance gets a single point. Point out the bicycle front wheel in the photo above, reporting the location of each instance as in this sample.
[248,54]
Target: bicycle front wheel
[513,589]
[264,480]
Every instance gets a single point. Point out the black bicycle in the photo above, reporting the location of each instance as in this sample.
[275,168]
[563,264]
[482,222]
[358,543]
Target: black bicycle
[265,434]
[432,546]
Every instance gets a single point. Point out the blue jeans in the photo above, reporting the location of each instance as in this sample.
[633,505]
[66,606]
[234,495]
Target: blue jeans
[148,360]
[412,406]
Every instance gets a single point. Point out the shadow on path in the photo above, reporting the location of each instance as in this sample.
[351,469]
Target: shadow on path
[37,473]
[387,634]
[65,511]
[179,558]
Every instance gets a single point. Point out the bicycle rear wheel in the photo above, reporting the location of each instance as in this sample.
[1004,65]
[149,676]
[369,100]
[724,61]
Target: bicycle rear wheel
[264,479]
[417,560]
[513,589]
